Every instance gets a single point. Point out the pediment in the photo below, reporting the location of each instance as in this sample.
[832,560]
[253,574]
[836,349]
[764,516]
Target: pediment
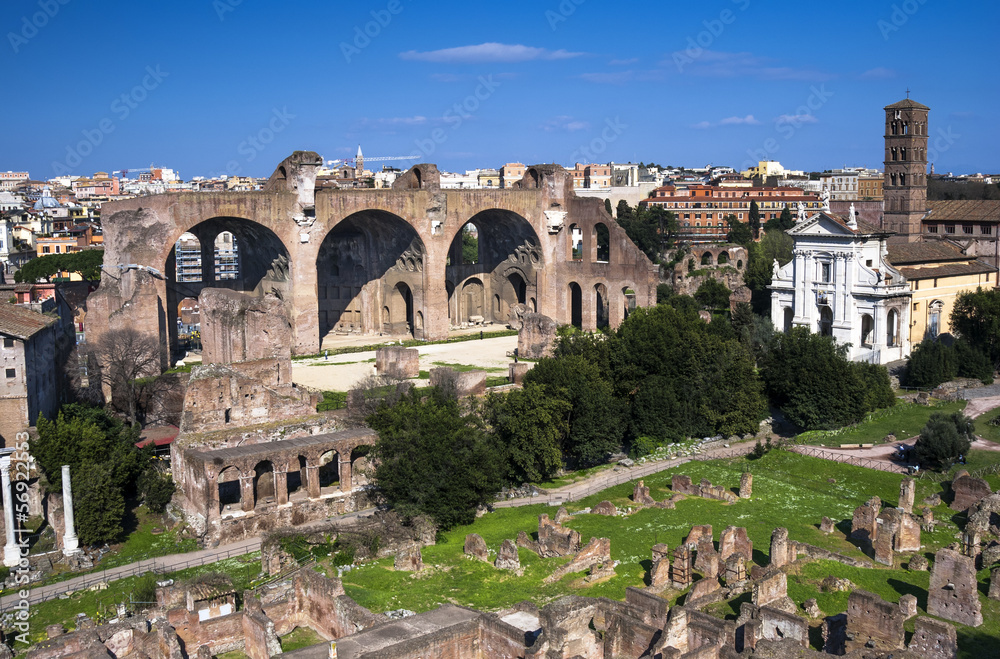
[821,224]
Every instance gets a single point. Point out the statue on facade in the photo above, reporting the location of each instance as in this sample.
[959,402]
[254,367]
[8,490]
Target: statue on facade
[775,269]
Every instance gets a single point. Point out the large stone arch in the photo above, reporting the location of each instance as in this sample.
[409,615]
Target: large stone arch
[510,258]
[264,259]
[366,266]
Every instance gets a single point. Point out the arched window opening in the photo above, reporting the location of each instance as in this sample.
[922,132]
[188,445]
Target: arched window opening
[706,258]
[934,318]
[867,330]
[601,305]
[826,321]
[575,243]
[789,314]
[329,469]
[603,242]
[576,305]
[188,258]
[892,328]
[227,257]
[723,258]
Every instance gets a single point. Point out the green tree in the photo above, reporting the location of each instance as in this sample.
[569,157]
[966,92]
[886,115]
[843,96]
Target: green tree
[595,424]
[98,505]
[740,233]
[713,294]
[86,263]
[929,364]
[810,379]
[784,222]
[976,318]
[432,459]
[943,440]
[650,228]
[774,246]
[470,247]
[754,219]
[156,489]
[607,207]
[528,427]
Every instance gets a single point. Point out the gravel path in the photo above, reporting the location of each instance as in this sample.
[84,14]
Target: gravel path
[341,372]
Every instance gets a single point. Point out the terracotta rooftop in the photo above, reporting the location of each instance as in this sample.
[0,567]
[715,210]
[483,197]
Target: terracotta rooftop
[929,252]
[22,323]
[945,270]
[905,104]
[964,209]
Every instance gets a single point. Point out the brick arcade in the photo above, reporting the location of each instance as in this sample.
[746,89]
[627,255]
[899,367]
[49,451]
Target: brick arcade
[378,261]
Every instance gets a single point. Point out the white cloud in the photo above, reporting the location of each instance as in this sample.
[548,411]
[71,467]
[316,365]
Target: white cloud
[734,121]
[565,123]
[748,120]
[488,52]
[796,119]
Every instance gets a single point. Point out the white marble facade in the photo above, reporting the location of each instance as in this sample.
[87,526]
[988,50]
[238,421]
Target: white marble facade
[840,283]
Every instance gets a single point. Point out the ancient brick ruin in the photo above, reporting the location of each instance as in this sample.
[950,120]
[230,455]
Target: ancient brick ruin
[954,593]
[378,261]
[683,485]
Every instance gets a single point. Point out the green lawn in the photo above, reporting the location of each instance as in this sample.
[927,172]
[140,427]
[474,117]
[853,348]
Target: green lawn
[298,638]
[987,431]
[789,490]
[904,420]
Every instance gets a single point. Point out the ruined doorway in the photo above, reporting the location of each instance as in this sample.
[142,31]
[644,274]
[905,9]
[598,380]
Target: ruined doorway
[230,495]
[329,470]
[263,483]
[601,305]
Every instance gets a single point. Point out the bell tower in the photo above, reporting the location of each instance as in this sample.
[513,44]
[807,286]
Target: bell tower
[905,185]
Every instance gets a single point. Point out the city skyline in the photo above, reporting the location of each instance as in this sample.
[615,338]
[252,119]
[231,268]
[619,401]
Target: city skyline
[230,87]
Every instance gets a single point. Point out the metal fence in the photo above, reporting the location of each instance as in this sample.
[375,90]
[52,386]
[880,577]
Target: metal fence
[157,566]
[633,474]
[857,461]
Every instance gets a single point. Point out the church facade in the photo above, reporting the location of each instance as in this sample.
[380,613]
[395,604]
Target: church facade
[840,283]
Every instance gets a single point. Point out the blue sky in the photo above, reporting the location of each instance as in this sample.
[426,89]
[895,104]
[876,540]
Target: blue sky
[211,86]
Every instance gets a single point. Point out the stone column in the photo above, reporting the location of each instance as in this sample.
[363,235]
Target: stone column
[312,481]
[345,474]
[11,552]
[281,487]
[70,542]
[246,493]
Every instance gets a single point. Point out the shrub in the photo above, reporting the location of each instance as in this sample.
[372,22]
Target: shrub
[157,489]
[643,446]
[943,440]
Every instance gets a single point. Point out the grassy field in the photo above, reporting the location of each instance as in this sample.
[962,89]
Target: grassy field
[789,490]
[904,420]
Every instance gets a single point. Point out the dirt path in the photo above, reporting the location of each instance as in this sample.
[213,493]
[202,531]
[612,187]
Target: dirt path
[341,372]
[610,477]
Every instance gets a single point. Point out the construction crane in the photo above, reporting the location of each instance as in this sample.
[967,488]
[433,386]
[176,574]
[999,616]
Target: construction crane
[137,169]
[374,159]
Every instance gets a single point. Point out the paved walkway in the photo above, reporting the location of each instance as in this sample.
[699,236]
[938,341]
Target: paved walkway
[162,565]
[610,477]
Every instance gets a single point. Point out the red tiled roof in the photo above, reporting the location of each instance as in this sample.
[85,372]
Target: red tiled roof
[21,322]
[946,270]
[976,210]
[929,252]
